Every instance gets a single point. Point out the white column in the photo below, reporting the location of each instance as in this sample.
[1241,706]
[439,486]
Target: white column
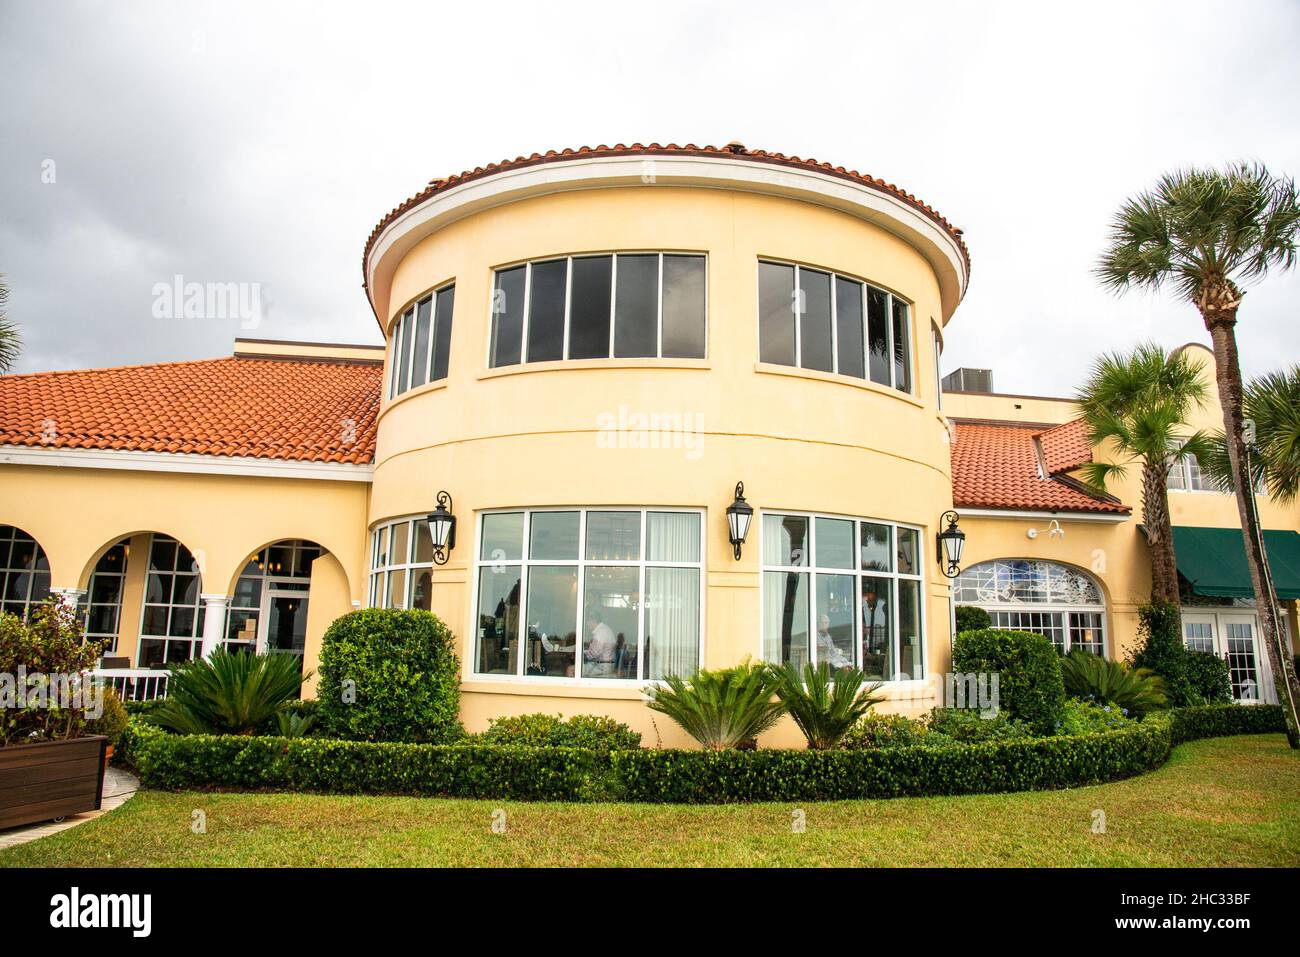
[68,597]
[214,622]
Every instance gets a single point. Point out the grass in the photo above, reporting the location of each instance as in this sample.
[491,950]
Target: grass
[1220,802]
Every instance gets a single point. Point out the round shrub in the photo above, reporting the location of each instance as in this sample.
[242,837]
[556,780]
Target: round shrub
[112,721]
[970,726]
[389,674]
[1207,674]
[887,731]
[1086,717]
[1028,669]
[595,732]
[972,618]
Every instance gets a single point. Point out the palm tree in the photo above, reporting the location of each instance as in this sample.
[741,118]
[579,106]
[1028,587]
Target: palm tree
[1140,402]
[9,338]
[1205,232]
[1271,407]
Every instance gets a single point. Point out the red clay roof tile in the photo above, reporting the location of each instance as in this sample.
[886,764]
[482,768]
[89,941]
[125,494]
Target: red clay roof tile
[1065,447]
[297,410]
[995,465]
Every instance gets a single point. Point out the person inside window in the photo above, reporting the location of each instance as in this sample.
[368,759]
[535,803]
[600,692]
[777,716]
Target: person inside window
[827,650]
[601,645]
[875,620]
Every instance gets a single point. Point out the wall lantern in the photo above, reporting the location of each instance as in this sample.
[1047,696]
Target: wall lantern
[442,529]
[949,544]
[739,515]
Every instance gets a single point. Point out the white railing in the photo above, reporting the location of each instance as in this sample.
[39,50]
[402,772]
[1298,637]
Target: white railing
[133,684]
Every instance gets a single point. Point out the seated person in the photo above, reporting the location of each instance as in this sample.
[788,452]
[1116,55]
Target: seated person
[827,650]
[598,654]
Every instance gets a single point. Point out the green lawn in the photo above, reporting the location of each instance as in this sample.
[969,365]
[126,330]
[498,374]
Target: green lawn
[1222,802]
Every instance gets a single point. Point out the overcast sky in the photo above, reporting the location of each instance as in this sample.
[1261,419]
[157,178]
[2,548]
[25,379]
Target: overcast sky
[261,142]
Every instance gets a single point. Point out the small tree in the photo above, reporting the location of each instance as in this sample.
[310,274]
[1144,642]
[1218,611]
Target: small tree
[46,653]
[10,340]
[1161,650]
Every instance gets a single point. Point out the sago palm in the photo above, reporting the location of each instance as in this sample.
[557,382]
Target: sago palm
[228,693]
[1206,233]
[720,709]
[1271,408]
[1140,402]
[825,703]
[1136,690]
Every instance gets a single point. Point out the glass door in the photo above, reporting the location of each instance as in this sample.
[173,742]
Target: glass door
[286,620]
[1239,646]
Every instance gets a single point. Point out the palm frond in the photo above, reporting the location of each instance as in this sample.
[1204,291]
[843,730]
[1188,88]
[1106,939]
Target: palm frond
[720,709]
[1135,690]
[825,703]
[229,692]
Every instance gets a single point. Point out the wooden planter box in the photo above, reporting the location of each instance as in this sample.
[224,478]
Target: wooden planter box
[39,782]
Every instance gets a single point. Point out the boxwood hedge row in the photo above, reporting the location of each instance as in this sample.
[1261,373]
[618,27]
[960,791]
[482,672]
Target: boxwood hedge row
[178,762]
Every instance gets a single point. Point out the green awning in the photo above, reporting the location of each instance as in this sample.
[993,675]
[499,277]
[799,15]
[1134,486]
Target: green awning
[1213,560]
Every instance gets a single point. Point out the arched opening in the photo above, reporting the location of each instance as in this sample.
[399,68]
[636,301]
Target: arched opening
[171,618]
[104,591]
[24,571]
[269,600]
[1060,602]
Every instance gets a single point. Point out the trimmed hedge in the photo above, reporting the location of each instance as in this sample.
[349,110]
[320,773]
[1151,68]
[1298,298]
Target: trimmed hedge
[179,762]
[1030,686]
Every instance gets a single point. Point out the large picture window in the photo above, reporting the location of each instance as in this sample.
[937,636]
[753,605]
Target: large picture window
[1056,601]
[104,596]
[816,319]
[24,571]
[597,594]
[624,305]
[422,342]
[844,591]
[171,626]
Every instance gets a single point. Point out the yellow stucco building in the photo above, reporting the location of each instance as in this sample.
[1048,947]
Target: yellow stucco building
[588,351]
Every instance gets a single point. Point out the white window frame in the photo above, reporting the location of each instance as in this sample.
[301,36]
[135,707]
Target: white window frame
[31,594]
[581,563]
[403,339]
[1064,609]
[109,638]
[200,610]
[378,575]
[1219,619]
[866,325]
[568,304]
[858,573]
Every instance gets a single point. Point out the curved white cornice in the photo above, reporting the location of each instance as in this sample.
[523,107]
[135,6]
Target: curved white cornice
[810,185]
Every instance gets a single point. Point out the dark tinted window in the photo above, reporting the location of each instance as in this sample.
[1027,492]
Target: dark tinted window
[902,350]
[683,307]
[589,308]
[442,332]
[636,307]
[848,327]
[776,313]
[420,358]
[508,311]
[546,310]
[878,334]
[815,321]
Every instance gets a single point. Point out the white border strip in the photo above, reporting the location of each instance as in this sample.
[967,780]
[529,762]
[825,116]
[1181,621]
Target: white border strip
[184,462]
[1107,517]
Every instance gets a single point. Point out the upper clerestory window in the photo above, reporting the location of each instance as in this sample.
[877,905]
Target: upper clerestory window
[622,306]
[815,319]
[422,342]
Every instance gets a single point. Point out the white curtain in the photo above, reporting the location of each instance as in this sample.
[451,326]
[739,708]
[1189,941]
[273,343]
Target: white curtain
[672,621]
[672,537]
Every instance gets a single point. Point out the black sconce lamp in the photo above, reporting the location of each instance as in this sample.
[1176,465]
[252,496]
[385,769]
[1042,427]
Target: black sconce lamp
[949,544]
[442,529]
[739,515]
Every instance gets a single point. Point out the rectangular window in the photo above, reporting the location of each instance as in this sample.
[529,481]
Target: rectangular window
[837,590]
[814,319]
[625,305]
[104,597]
[422,343]
[593,594]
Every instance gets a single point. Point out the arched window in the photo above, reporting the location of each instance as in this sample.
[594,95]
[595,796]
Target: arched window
[24,571]
[1057,601]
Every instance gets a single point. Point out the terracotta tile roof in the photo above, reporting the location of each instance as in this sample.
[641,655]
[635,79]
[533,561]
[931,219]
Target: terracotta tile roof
[995,465]
[732,151]
[263,408]
[1065,447]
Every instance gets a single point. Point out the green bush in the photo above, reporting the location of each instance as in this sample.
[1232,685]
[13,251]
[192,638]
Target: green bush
[187,762]
[1207,674]
[141,708]
[889,731]
[1028,669]
[112,720]
[972,618]
[726,708]
[47,644]
[969,726]
[228,692]
[1088,717]
[1160,648]
[825,703]
[595,732]
[390,675]
[1091,677]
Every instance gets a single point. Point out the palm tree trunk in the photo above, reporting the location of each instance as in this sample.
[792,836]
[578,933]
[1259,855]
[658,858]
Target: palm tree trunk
[1160,534]
[1220,322]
